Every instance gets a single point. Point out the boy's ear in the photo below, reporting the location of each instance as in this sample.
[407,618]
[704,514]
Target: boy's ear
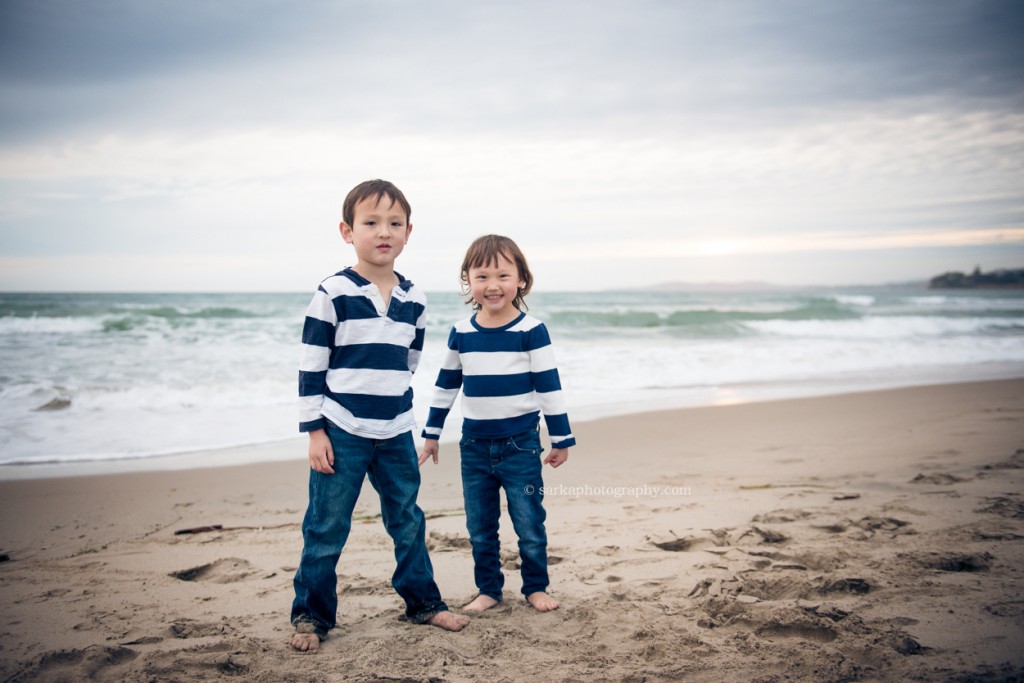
[346,231]
[408,231]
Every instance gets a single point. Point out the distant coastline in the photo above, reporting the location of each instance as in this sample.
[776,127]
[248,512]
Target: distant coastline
[1003,278]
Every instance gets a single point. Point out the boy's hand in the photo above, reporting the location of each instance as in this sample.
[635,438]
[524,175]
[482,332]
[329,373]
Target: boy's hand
[429,451]
[321,455]
[557,456]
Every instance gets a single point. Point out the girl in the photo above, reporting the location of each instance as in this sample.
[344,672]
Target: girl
[503,361]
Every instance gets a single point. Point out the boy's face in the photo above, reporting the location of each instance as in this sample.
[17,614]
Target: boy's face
[494,286]
[378,232]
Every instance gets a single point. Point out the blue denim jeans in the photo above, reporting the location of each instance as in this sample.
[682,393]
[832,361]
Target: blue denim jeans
[393,470]
[513,464]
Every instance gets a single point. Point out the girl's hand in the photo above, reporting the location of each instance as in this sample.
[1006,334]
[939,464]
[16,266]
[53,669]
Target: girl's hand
[557,456]
[429,451]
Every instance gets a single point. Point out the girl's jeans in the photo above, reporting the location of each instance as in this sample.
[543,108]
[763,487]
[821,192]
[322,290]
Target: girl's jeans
[513,464]
[393,469]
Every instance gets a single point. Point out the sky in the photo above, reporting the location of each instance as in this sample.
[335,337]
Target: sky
[157,145]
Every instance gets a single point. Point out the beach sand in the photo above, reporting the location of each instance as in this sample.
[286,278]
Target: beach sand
[860,537]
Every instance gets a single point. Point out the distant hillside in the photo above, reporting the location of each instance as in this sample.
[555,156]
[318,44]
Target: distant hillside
[1002,278]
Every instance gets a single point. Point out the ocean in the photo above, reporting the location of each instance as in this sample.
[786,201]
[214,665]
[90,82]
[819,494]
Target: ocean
[93,377]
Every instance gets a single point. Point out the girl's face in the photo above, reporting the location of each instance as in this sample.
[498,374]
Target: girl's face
[494,287]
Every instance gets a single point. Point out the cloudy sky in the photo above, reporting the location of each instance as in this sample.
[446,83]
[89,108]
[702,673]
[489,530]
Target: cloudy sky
[180,145]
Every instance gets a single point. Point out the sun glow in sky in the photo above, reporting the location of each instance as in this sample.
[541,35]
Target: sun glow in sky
[189,146]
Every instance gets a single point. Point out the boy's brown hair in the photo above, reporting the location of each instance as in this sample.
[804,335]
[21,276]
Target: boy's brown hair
[484,252]
[376,189]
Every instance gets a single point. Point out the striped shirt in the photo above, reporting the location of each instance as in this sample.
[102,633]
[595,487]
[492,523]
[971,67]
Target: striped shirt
[358,358]
[507,376]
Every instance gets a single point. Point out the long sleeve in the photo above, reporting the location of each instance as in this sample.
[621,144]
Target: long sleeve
[317,344]
[416,348]
[548,387]
[446,389]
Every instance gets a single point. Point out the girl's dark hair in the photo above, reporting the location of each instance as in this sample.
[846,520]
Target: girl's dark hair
[376,189]
[484,252]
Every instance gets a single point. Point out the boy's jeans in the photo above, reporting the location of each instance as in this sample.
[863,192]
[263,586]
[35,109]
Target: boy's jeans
[513,464]
[393,469]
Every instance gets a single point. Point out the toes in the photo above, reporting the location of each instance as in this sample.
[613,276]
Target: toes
[306,642]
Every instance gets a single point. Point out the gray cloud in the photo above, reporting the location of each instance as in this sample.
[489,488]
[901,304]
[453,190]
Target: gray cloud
[536,67]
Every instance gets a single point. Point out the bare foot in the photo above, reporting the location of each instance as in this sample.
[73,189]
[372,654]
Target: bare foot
[542,602]
[448,621]
[480,603]
[306,642]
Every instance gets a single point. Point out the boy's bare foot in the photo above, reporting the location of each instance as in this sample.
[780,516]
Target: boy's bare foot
[480,603]
[448,621]
[542,602]
[306,642]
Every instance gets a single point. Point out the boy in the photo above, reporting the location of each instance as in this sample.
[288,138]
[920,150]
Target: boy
[362,340]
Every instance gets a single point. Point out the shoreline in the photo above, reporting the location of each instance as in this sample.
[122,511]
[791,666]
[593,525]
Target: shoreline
[294,448]
[869,536]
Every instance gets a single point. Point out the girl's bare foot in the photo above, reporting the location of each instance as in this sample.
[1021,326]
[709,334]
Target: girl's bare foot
[480,603]
[448,621]
[542,602]
[306,642]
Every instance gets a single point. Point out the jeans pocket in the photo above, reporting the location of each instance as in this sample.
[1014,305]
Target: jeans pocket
[526,443]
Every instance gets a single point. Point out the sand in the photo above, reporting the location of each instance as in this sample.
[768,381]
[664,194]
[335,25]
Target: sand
[861,537]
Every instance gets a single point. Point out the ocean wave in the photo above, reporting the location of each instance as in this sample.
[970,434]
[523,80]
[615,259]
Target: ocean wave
[172,312]
[12,325]
[813,309]
[881,327]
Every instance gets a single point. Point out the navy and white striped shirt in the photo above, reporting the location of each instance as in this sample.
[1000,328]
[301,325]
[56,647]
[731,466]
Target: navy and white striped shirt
[358,358]
[507,376]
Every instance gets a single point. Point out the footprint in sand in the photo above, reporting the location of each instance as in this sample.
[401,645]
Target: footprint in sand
[781,516]
[205,662]
[438,542]
[762,536]
[1014,462]
[939,479]
[1004,507]
[821,634]
[357,584]
[229,570]
[856,586]
[895,526]
[83,664]
[957,562]
[679,545]
[190,628]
